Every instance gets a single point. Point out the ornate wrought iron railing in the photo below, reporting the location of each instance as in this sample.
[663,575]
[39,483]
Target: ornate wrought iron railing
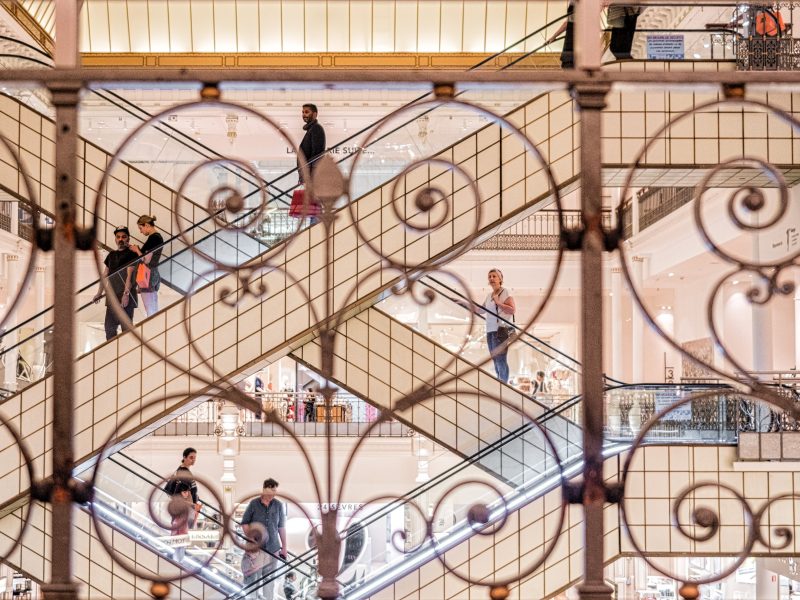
[436,209]
[540,231]
[302,413]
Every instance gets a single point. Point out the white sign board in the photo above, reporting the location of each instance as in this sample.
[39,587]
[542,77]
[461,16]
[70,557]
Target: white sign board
[682,413]
[665,47]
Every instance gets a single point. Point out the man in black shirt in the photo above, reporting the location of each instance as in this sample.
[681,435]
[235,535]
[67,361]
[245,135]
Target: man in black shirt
[121,280]
[313,144]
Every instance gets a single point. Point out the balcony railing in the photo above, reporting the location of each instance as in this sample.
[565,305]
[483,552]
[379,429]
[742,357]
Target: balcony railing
[304,413]
[654,204]
[540,231]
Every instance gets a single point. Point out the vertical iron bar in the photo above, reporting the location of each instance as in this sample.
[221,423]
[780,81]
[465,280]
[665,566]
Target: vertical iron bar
[65,99]
[591,101]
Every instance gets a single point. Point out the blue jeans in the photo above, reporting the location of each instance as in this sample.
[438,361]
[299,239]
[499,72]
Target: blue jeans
[500,360]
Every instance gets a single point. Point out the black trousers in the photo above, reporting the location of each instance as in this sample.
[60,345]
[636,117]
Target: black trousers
[622,37]
[112,323]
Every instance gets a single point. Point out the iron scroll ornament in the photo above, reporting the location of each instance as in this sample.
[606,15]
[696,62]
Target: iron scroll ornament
[747,200]
[328,184]
[706,521]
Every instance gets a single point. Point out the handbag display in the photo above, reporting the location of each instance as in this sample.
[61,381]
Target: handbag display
[299,208]
[143,276]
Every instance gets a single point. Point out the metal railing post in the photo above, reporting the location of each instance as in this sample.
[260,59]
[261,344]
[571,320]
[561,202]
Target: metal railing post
[591,99]
[62,492]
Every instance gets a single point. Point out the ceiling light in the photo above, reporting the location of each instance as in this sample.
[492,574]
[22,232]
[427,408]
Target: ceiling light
[670,274]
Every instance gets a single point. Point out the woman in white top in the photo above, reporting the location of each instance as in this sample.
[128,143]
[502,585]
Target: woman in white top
[498,302]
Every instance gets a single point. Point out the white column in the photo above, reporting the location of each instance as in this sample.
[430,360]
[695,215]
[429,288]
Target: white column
[767,582]
[39,284]
[10,338]
[797,319]
[422,320]
[616,324]
[762,326]
[637,324]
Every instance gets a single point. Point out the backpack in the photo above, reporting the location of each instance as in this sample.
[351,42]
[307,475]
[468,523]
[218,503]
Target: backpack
[171,486]
[769,23]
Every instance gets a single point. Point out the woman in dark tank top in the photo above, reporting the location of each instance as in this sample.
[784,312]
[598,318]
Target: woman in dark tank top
[151,256]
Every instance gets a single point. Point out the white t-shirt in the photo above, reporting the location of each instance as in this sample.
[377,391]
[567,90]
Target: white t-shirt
[492,309]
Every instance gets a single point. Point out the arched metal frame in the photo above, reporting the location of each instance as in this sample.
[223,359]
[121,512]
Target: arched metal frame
[589,88]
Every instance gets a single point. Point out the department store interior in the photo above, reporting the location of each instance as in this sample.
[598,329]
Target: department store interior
[698,303]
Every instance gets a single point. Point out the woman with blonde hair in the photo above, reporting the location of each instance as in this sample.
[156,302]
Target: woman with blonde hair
[150,254]
[498,303]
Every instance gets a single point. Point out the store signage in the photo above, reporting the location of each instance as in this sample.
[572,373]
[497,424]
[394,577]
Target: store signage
[177,541]
[340,507]
[665,47]
[206,535]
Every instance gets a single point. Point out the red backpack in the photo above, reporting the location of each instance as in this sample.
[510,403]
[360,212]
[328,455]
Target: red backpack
[769,23]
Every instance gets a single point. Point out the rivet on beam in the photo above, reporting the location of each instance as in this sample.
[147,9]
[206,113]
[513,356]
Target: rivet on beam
[733,90]
[444,91]
[210,91]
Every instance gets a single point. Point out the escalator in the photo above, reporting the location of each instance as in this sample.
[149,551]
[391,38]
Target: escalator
[120,377]
[532,504]
[127,491]
[117,377]
[456,415]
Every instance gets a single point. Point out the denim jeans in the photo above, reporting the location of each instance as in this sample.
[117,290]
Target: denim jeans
[150,302]
[500,360]
[265,591]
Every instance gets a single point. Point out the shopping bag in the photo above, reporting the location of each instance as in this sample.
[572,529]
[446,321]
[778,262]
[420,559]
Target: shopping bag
[299,208]
[143,276]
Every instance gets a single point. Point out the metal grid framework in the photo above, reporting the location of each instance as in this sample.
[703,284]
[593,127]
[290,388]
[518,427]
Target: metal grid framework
[309,286]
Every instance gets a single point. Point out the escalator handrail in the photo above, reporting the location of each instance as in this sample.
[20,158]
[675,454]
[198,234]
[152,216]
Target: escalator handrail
[93,284]
[270,183]
[506,439]
[462,299]
[163,488]
[471,460]
[518,42]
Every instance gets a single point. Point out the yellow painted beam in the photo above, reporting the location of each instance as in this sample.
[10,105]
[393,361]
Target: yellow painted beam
[29,24]
[302,60]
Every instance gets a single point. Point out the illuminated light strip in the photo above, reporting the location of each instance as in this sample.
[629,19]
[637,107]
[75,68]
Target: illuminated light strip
[113,518]
[464,532]
[148,527]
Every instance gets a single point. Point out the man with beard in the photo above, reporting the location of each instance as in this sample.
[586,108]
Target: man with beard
[313,144]
[120,274]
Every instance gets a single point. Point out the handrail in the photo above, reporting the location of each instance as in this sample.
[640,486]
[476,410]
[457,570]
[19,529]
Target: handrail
[513,325]
[269,183]
[8,38]
[89,286]
[547,415]
[163,489]
[461,298]
[518,42]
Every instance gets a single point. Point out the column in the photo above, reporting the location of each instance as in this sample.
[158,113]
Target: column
[39,363]
[617,370]
[637,324]
[767,582]
[797,319]
[10,339]
[422,319]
